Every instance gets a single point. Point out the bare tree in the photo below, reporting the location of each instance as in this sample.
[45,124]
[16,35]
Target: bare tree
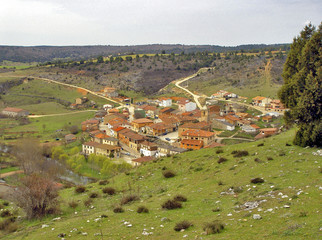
[37,195]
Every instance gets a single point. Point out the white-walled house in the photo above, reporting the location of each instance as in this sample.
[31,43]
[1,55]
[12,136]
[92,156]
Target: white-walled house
[165,102]
[148,148]
[187,106]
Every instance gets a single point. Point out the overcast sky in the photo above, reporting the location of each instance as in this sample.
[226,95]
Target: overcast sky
[131,22]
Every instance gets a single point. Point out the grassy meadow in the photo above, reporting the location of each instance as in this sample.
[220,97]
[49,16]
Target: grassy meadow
[288,201]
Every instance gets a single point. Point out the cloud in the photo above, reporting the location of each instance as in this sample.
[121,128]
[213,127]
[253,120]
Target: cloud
[128,22]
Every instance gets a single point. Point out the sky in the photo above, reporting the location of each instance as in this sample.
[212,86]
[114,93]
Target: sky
[137,22]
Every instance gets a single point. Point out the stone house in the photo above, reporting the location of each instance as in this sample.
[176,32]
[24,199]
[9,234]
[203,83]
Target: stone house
[195,134]
[14,112]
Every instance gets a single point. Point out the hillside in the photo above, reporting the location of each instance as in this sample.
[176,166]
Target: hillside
[50,53]
[288,202]
[244,75]
[148,73]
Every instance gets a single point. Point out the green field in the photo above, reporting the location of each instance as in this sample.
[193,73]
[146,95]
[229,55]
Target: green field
[47,126]
[37,97]
[289,199]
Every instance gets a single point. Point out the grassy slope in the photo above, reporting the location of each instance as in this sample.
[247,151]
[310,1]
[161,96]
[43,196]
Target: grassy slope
[198,174]
[38,105]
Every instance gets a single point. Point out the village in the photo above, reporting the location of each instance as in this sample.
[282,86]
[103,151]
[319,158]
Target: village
[143,131]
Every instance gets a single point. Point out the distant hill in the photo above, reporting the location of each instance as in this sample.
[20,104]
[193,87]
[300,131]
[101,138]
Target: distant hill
[49,53]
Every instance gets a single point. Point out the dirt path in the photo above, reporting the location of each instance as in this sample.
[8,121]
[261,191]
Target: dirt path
[3,175]
[69,85]
[59,114]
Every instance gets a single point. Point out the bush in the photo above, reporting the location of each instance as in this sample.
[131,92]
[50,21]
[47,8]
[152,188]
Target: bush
[258,160]
[8,225]
[168,174]
[109,190]
[37,195]
[73,204]
[219,151]
[118,210]
[213,227]
[5,203]
[171,204]
[257,180]
[103,182]
[221,160]
[80,189]
[220,183]
[260,145]
[182,225]
[88,202]
[180,198]
[242,153]
[269,158]
[93,195]
[128,199]
[6,213]
[142,209]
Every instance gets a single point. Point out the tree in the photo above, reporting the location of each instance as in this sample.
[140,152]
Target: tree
[302,90]
[37,195]
[100,59]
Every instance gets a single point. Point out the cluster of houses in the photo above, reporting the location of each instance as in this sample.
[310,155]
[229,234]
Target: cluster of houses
[190,128]
[274,105]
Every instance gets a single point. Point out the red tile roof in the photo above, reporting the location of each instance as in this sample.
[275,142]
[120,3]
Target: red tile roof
[11,109]
[197,133]
[101,136]
[142,120]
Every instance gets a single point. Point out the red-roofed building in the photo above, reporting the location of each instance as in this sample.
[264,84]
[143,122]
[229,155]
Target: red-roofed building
[195,134]
[148,148]
[90,125]
[159,129]
[265,132]
[191,144]
[165,102]
[140,124]
[14,112]
[188,126]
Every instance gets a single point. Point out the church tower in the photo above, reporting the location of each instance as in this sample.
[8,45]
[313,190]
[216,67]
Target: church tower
[205,114]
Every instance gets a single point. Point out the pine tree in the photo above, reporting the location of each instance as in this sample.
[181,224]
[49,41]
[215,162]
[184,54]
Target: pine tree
[302,90]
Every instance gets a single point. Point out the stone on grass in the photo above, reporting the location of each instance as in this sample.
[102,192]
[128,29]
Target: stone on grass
[257,216]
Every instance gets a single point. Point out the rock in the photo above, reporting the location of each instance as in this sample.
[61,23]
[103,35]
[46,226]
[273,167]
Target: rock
[57,218]
[61,235]
[286,206]
[165,219]
[44,226]
[257,216]
[84,233]
[229,215]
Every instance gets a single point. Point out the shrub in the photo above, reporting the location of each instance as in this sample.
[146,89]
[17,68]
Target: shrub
[257,180]
[88,202]
[73,204]
[6,213]
[260,145]
[242,153]
[142,209]
[118,210]
[103,182]
[219,151]
[171,204]
[5,203]
[258,160]
[37,195]
[8,225]
[182,225]
[281,153]
[287,144]
[269,158]
[220,183]
[80,189]
[129,198]
[221,160]
[213,227]
[93,195]
[168,174]
[180,198]
[109,190]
